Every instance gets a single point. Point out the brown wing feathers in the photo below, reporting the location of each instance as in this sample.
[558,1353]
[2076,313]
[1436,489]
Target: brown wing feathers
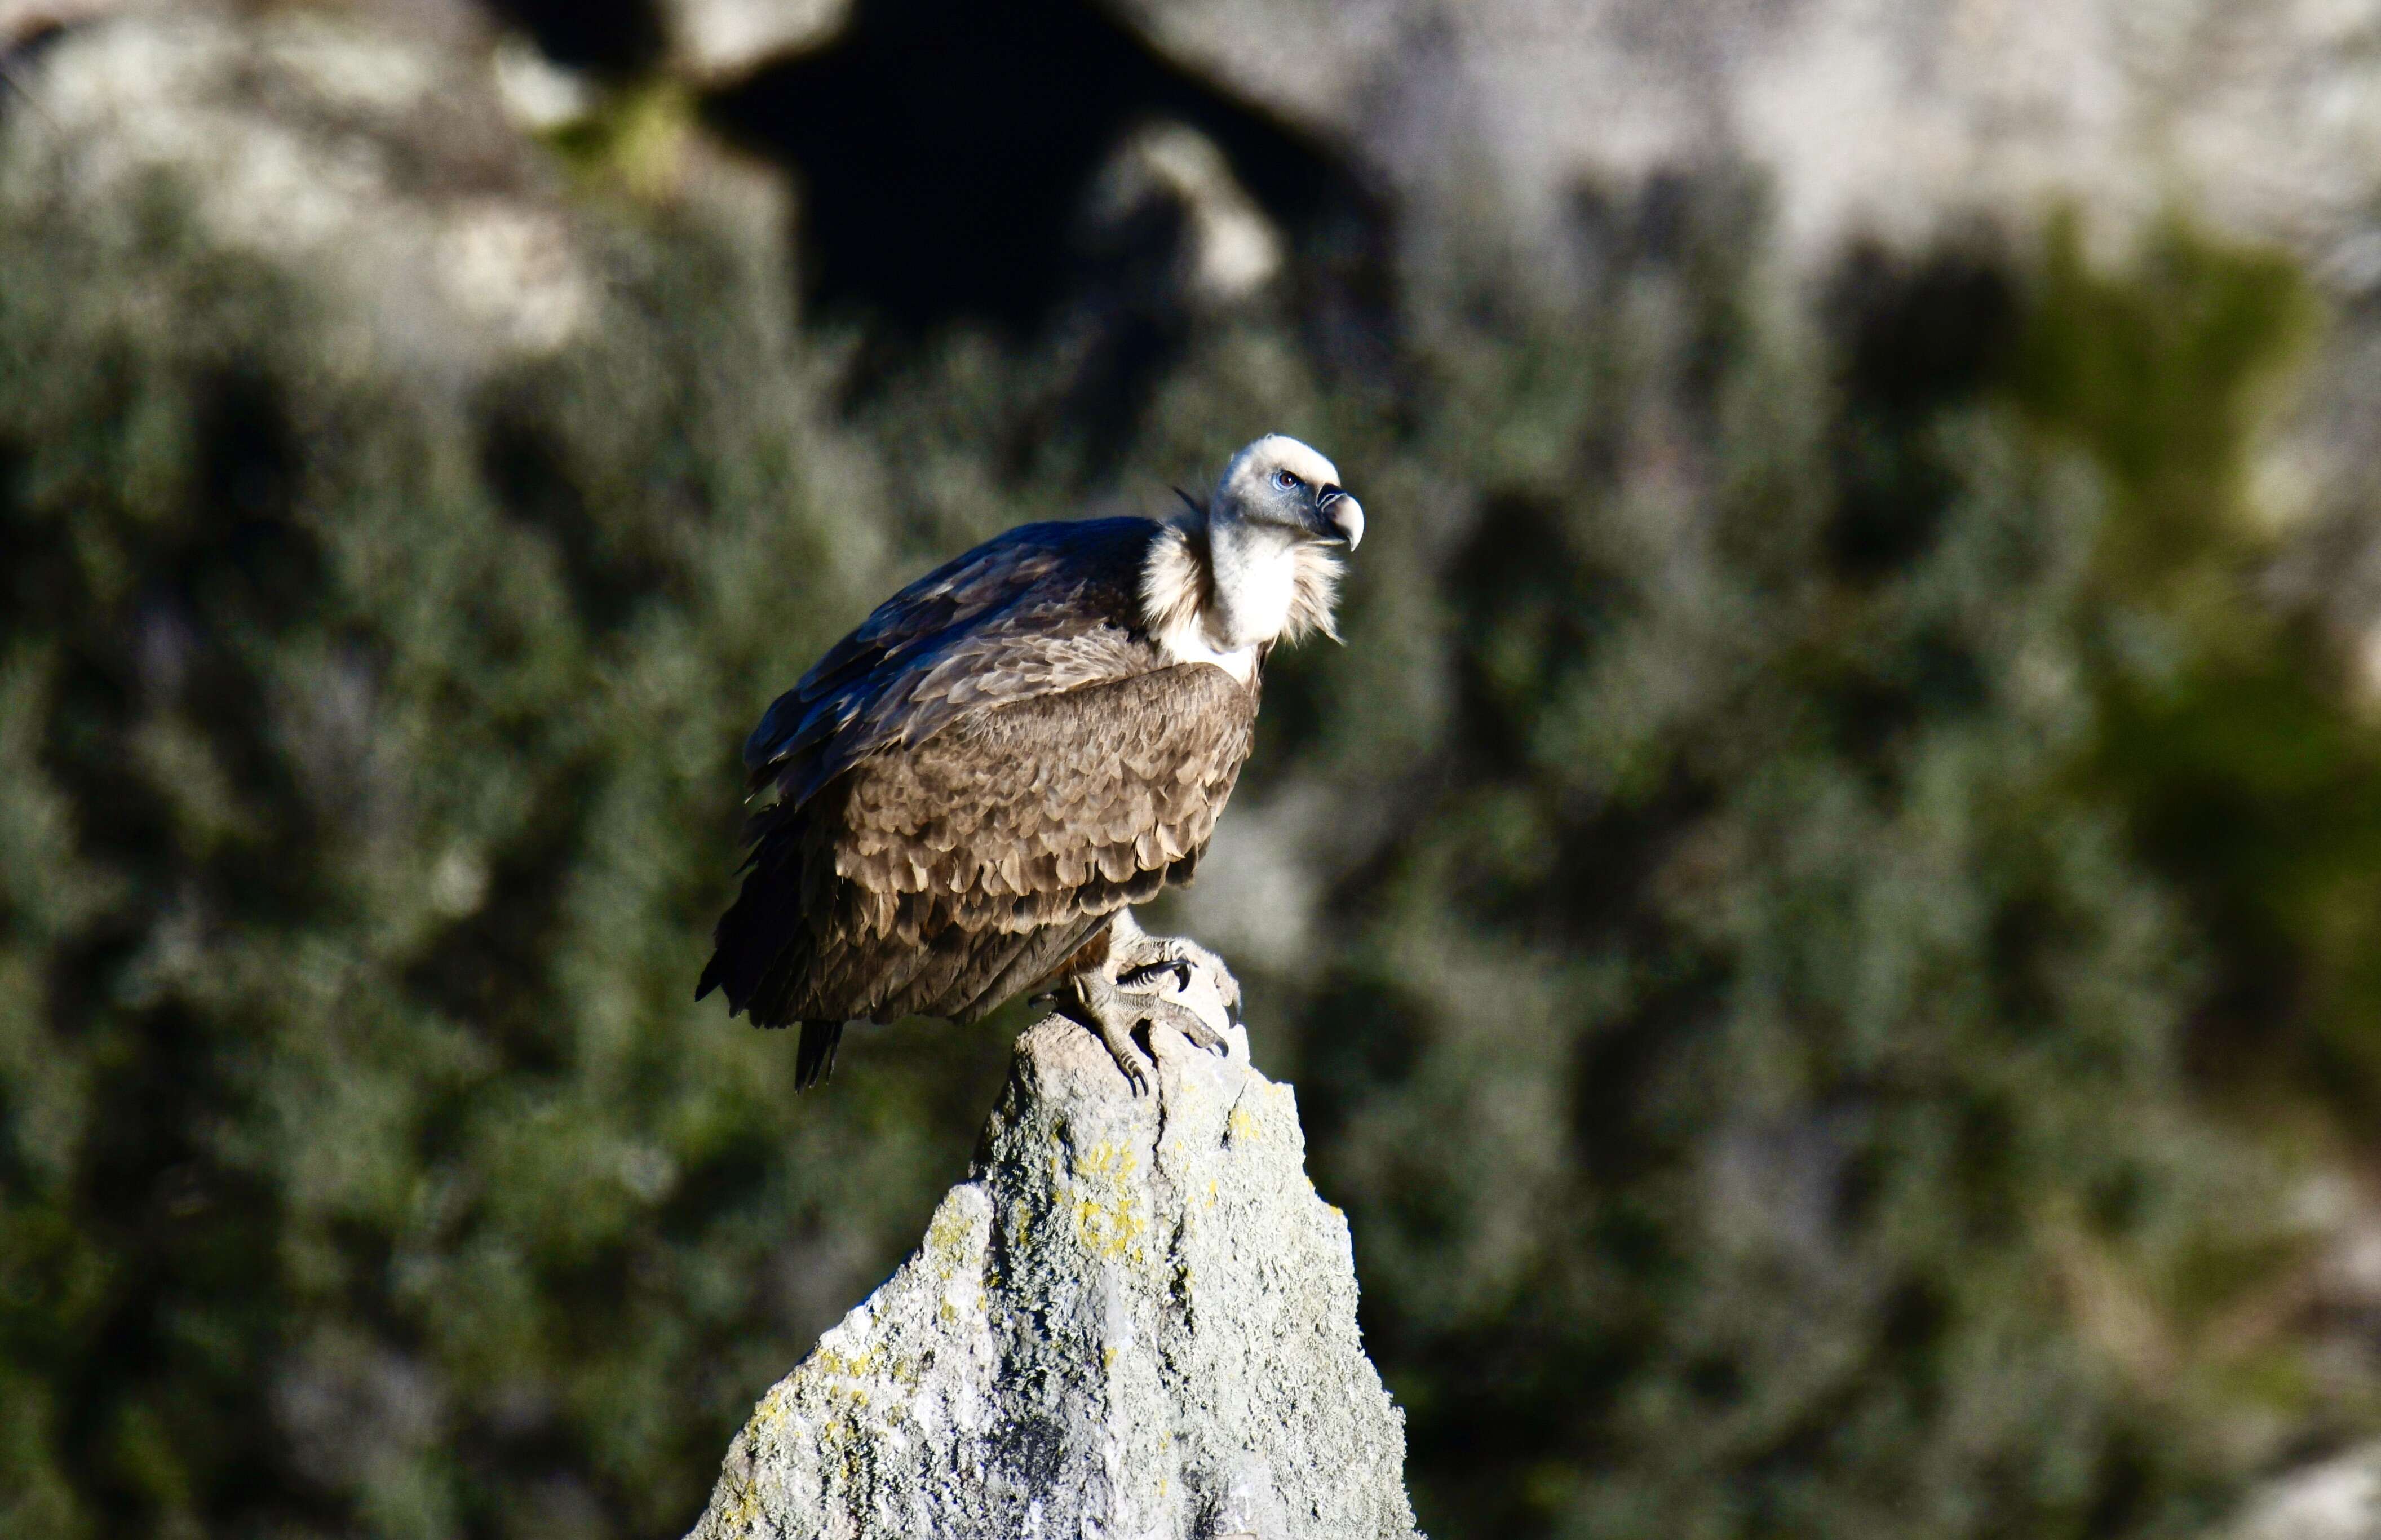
[1021,815]
[969,785]
[932,869]
[1043,608]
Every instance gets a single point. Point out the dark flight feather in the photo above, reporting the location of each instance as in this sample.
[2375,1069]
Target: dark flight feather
[814,1054]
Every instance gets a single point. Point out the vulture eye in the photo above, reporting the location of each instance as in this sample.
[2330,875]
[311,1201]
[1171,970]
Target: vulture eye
[1285,480]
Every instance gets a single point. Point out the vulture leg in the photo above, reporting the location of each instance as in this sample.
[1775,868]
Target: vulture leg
[1094,998]
[1141,956]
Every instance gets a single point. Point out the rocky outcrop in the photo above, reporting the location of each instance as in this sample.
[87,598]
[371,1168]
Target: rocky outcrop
[1896,120]
[1135,1318]
[376,166]
[389,171]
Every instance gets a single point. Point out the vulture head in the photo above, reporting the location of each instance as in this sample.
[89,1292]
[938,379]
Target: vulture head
[1278,484]
[1258,565]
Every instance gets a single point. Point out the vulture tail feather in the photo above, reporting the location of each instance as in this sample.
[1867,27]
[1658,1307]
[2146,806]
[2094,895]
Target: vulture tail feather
[750,946]
[814,1054]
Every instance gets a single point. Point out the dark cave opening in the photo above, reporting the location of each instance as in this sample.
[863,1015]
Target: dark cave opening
[945,151]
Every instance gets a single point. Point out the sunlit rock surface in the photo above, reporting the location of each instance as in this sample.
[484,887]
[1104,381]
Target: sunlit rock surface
[380,167]
[2336,1500]
[720,39]
[1136,1318]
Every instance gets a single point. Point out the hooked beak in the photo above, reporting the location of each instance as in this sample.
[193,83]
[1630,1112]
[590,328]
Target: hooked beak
[1339,517]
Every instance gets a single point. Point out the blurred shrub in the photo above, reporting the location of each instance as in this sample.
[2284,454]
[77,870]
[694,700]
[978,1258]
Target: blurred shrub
[1756,1075]
[369,743]
[2231,730]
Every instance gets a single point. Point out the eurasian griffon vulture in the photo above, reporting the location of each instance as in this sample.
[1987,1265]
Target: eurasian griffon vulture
[970,788]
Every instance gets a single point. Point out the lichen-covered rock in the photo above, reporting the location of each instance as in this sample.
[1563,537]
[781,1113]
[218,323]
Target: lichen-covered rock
[1136,1319]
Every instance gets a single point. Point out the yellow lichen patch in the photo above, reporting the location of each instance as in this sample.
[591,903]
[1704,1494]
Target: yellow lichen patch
[769,1414]
[1108,1211]
[743,1507]
[950,1239]
[842,1442]
[839,1373]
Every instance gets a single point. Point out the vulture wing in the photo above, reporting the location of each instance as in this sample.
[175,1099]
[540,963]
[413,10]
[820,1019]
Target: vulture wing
[1042,607]
[970,783]
[935,875]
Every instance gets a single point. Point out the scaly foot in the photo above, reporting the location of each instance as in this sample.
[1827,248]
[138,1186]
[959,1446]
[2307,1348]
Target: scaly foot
[1140,956]
[1114,1013]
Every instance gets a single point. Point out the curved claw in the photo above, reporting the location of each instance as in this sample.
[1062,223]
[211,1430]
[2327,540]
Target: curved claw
[1128,1059]
[1190,1024]
[1143,956]
[1134,977]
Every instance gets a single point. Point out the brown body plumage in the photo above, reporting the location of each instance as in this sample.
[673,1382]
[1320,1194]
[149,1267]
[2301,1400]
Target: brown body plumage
[971,788]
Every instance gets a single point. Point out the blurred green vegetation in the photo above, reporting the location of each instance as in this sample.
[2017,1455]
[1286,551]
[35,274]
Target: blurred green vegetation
[2226,731]
[1814,807]
[1758,1085]
[371,775]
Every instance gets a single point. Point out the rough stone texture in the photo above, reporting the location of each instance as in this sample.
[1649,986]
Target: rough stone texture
[1135,1319]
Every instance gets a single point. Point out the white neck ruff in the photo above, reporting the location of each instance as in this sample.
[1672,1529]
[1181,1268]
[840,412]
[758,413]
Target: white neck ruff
[1224,592]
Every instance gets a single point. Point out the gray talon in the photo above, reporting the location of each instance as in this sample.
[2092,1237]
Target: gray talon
[1189,1022]
[1112,1014]
[1139,954]
[1182,972]
[1193,1026]
[1124,992]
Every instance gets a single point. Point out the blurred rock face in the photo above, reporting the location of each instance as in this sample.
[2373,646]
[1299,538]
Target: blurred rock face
[722,39]
[1875,119]
[2336,1500]
[951,157]
[1225,248]
[379,165]
[1913,127]
[1900,122]
[1953,122]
